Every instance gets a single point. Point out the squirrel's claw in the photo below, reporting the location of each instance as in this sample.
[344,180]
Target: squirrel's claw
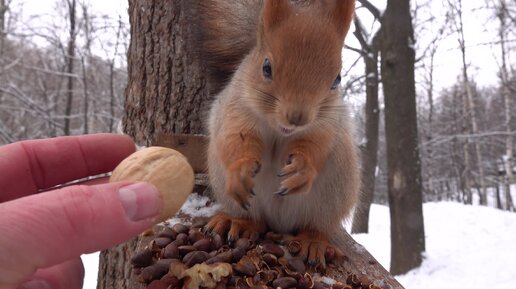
[240,181]
[283,174]
[246,206]
[299,174]
[282,192]
[234,228]
[316,250]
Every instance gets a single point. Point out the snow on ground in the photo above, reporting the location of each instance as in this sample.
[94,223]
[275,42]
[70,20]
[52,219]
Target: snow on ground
[466,247]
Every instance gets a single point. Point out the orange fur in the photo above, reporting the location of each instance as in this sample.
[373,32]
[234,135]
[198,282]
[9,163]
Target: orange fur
[292,124]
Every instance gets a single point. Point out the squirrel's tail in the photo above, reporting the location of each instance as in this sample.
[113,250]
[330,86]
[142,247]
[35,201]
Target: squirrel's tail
[227,34]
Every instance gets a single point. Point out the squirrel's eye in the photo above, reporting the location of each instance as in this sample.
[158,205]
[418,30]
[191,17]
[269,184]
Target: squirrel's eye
[336,83]
[267,69]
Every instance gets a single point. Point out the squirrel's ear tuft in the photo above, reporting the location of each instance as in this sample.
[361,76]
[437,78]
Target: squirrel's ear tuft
[343,15]
[274,12]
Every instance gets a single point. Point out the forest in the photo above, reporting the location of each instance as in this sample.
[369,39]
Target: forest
[64,71]
[68,77]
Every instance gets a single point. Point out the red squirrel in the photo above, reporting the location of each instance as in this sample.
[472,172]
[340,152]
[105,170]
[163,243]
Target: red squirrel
[281,154]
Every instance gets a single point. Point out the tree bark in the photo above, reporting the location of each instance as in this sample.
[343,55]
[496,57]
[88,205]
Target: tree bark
[112,95]
[469,106]
[3,12]
[370,149]
[70,58]
[506,93]
[86,56]
[428,170]
[403,163]
[166,93]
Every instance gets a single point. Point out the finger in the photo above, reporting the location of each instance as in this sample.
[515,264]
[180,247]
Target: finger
[49,228]
[67,275]
[29,166]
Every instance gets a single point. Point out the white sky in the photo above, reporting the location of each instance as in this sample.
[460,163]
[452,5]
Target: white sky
[43,17]
[113,7]
[479,28]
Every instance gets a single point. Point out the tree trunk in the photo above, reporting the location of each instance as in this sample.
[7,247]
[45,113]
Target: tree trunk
[70,58]
[498,196]
[3,12]
[370,150]
[166,93]
[86,95]
[466,172]
[428,168]
[112,96]
[470,107]
[86,56]
[506,93]
[403,163]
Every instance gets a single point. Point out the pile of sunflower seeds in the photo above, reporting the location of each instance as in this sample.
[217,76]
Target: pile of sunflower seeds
[184,257]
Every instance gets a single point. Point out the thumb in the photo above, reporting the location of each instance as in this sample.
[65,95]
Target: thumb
[43,230]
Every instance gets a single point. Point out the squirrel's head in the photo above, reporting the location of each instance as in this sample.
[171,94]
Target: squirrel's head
[298,60]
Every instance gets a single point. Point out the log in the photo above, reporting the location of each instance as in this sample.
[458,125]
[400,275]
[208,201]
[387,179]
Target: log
[357,259]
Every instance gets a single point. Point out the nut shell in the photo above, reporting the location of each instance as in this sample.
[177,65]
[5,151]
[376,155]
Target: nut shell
[167,169]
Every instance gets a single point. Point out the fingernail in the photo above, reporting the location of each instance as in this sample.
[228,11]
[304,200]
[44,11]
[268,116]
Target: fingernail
[140,201]
[36,284]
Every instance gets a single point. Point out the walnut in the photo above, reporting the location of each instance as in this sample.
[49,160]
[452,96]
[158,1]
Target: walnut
[200,275]
[166,169]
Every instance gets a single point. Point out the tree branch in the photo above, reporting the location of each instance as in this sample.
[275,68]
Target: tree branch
[373,9]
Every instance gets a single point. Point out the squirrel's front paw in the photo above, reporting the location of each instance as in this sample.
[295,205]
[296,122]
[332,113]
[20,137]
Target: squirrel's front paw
[240,183]
[299,175]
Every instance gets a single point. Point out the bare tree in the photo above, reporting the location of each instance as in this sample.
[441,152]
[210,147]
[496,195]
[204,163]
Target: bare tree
[86,56]
[403,162]
[507,93]
[3,12]
[469,107]
[70,59]
[369,52]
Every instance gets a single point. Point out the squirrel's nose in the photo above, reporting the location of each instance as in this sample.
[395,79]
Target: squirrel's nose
[297,118]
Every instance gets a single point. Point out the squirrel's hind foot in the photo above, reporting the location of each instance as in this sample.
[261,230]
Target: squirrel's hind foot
[234,228]
[316,250]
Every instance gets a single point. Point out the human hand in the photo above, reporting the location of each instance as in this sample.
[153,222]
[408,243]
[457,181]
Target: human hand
[42,234]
